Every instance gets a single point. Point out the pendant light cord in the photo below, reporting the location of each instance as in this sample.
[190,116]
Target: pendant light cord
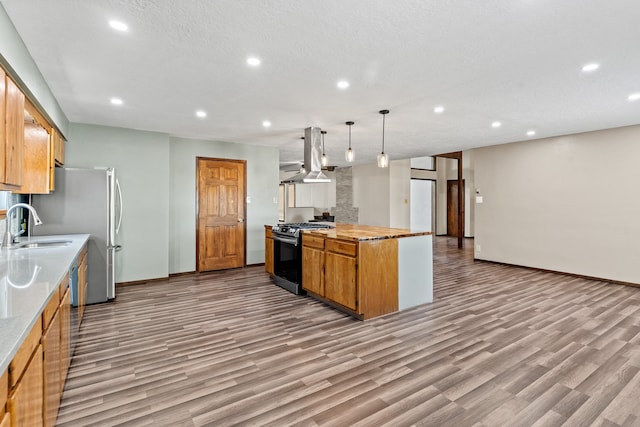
[383,120]
[349,137]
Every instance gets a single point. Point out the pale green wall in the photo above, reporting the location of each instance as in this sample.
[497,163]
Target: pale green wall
[141,160]
[262,189]
[16,58]
[158,177]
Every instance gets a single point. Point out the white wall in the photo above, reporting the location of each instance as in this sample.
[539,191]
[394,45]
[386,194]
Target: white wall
[141,160]
[15,56]
[567,204]
[371,186]
[262,189]
[400,194]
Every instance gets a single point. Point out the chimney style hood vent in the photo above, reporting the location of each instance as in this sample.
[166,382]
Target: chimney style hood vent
[312,159]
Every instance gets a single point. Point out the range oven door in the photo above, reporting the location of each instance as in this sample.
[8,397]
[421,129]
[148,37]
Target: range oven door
[287,262]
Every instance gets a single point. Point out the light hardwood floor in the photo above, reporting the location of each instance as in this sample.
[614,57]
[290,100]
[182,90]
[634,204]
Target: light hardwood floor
[500,345]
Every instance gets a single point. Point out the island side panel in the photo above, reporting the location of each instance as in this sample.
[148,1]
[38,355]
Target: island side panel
[378,277]
[415,275]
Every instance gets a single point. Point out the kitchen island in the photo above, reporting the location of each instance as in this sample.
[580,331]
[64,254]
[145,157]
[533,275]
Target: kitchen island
[368,271]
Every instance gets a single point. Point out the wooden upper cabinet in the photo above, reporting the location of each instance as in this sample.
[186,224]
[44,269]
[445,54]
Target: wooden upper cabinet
[12,144]
[38,161]
[58,148]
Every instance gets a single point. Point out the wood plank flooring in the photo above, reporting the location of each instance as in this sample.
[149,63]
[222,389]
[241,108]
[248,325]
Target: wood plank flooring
[499,346]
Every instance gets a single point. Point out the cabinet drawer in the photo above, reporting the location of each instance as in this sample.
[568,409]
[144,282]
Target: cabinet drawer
[313,241]
[64,285]
[50,310]
[20,360]
[268,233]
[342,247]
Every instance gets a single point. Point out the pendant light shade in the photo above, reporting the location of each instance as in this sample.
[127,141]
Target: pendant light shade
[383,158]
[349,155]
[324,160]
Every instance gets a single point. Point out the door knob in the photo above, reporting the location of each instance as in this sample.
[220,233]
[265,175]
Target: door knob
[240,219]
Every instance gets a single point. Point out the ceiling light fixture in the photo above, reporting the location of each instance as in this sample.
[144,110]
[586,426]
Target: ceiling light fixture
[253,61]
[343,84]
[439,109]
[496,124]
[324,160]
[202,114]
[383,158]
[590,67]
[266,123]
[116,101]
[117,25]
[349,155]
[531,132]
[634,96]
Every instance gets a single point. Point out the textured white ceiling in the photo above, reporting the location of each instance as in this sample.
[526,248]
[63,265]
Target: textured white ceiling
[514,61]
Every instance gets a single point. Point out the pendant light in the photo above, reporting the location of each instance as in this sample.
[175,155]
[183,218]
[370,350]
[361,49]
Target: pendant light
[383,158]
[324,160]
[349,155]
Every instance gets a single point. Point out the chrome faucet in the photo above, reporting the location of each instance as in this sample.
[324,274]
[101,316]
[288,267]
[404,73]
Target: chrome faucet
[8,238]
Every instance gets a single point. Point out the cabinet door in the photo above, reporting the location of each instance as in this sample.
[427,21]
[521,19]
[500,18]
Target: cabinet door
[5,420]
[3,126]
[37,153]
[268,255]
[51,348]
[312,274]
[14,134]
[340,284]
[25,402]
[65,337]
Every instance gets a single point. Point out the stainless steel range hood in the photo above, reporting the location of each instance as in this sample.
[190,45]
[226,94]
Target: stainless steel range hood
[312,159]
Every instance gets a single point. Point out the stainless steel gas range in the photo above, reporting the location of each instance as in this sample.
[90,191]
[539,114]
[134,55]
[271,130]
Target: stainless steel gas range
[287,254]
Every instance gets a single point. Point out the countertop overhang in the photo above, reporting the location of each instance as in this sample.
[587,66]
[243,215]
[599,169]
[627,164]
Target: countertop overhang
[29,277]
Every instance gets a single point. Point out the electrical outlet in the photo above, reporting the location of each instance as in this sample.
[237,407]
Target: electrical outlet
[478,248]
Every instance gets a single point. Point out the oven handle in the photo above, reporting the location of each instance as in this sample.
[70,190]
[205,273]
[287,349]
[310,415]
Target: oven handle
[286,239]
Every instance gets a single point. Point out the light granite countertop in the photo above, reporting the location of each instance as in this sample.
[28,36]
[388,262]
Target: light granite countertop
[28,279]
[356,232]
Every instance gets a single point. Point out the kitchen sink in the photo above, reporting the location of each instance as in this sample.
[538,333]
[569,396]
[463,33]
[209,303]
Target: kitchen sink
[32,244]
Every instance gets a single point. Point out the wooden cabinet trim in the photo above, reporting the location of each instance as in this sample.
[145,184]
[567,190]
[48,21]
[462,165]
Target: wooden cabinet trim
[6,420]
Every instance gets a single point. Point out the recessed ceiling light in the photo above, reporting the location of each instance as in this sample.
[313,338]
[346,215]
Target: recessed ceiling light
[117,25]
[590,67]
[496,124]
[116,101]
[531,132]
[439,109]
[253,61]
[202,114]
[634,96]
[266,123]
[343,84]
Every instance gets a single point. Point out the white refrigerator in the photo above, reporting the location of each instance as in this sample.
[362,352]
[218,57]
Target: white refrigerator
[86,201]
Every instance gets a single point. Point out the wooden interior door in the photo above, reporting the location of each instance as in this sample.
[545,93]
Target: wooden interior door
[452,208]
[221,214]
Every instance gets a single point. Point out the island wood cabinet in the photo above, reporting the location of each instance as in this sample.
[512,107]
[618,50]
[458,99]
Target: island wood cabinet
[11,133]
[268,250]
[358,277]
[341,273]
[313,277]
